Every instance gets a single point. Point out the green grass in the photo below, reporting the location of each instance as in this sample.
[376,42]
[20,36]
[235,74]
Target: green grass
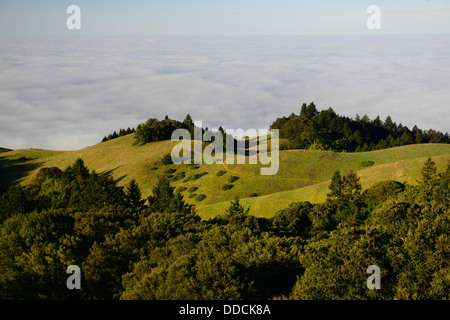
[303,174]
[407,171]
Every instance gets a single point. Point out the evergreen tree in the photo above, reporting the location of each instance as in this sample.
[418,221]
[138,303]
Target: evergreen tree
[189,124]
[133,195]
[351,186]
[78,169]
[236,208]
[165,200]
[303,109]
[311,110]
[390,125]
[336,185]
[429,171]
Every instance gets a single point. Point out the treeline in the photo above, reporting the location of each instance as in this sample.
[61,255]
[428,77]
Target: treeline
[159,248]
[326,130]
[158,130]
[122,132]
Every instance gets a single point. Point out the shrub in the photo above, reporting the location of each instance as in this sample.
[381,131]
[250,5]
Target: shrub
[253,194]
[167,159]
[366,163]
[227,186]
[220,173]
[198,175]
[192,189]
[200,197]
[195,176]
[170,171]
[232,179]
[178,176]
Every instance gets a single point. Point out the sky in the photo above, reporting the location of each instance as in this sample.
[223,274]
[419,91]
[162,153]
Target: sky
[230,17]
[239,64]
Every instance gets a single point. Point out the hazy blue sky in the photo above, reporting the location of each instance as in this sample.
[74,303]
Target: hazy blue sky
[225,17]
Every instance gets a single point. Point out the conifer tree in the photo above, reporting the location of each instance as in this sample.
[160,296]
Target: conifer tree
[133,195]
[336,185]
[165,200]
[236,208]
[429,171]
[351,186]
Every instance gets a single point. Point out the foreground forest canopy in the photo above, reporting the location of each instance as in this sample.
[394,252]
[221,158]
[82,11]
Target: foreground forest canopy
[158,248]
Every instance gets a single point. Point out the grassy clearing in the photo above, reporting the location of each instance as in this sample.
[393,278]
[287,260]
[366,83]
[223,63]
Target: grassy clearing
[407,171]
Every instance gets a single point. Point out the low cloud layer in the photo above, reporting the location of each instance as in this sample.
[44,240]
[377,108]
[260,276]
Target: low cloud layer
[66,93]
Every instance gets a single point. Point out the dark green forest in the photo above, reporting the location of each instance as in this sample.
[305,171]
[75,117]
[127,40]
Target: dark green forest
[158,130]
[158,248]
[121,133]
[326,130]
[310,129]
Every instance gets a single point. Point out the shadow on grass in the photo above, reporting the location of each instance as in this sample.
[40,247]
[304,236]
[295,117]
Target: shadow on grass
[12,170]
[109,173]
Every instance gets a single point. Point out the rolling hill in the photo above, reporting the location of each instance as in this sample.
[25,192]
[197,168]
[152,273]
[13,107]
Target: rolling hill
[303,175]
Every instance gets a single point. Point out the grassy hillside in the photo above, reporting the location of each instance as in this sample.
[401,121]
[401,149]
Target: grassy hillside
[303,174]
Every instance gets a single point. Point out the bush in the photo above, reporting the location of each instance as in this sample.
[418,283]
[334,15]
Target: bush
[195,176]
[167,159]
[253,194]
[178,176]
[220,173]
[192,189]
[232,179]
[170,171]
[200,197]
[366,163]
[227,186]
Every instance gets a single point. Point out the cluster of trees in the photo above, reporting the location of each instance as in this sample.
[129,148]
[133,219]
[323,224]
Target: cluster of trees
[311,129]
[122,132]
[158,130]
[159,248]
[326,130]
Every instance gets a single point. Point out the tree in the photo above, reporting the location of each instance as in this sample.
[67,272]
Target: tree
[352,186]
[133,195]
[189,124]
[390,125]
[311,110]
[165,200]
[78,169]
[406,138]
[336,185]
[236,208]
[429,171]
[446,174]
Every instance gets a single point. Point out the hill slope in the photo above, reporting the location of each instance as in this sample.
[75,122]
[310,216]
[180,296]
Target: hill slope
[303,175]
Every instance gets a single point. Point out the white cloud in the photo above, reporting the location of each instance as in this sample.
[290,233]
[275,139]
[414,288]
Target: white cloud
[67,93]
